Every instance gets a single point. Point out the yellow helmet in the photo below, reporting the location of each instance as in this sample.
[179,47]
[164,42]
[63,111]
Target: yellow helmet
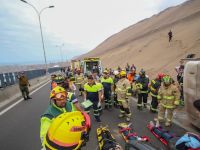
[123,73]
[167,80]
[72,79]
[57,90]
[59,79]
[67,131]
[105,71]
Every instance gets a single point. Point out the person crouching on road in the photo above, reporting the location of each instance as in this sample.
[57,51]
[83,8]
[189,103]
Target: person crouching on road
[107,83]
[168,97]
[23,85]
[93,93]
[123,90]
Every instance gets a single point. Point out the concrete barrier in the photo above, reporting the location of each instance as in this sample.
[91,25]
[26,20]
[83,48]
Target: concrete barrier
[12,93]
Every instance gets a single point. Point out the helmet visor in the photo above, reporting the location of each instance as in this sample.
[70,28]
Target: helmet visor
[60,96]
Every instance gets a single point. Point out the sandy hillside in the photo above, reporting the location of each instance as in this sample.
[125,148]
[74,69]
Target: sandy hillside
[146,43]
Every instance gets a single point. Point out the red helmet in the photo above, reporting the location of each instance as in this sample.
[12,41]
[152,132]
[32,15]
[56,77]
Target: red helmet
[160,76]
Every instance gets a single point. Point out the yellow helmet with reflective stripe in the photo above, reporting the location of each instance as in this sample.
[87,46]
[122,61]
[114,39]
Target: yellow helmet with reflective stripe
[57,90]
[167,79]
[123,73]
[67,131]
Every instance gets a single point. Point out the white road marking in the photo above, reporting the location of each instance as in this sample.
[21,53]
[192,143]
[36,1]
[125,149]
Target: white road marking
[14,104]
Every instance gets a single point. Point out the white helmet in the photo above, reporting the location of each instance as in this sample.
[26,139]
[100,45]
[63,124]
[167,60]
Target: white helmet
[116,72]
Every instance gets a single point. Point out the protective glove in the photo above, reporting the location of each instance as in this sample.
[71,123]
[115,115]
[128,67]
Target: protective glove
[176,103]
[43,148]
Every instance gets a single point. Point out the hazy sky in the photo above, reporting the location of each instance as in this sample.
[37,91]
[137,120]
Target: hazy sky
[78,25]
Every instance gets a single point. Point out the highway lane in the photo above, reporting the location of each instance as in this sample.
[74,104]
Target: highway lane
[19,127]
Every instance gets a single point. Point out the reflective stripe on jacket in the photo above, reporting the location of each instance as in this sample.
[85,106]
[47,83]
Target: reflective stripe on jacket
[169,96]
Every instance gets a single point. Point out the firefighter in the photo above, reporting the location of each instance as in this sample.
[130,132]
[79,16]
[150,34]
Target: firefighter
[168,97]
[142,89]
[132,77]
[107,83]
[79,81]
[153,88]
[93,93]
[115,80]
[123,90]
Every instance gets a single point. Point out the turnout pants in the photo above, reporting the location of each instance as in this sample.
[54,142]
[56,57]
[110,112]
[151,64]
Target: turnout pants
[161,114]
[142,100]
[154,104]
[116,103]
[124,105]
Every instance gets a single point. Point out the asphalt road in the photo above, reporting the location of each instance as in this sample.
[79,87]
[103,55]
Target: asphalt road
[20,126]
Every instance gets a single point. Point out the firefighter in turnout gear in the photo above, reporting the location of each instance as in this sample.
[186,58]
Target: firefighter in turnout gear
[107,83]
[153,88]
[142,89]
[79,82]
[115,80]
[123,90]
[168,97]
